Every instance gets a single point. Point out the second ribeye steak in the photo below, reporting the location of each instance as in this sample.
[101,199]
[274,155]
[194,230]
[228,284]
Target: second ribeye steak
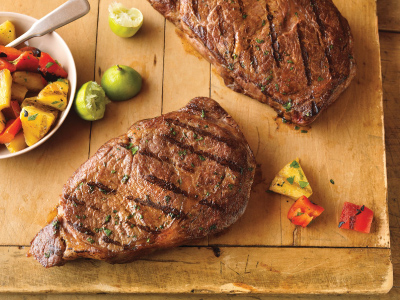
[295,55]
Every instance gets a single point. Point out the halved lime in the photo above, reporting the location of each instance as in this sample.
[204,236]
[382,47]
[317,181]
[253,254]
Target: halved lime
[121,83]
[90,101]
[124,22]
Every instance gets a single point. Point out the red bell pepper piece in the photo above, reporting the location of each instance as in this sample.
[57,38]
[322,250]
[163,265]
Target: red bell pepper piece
[303,211]
[5,64]
[12,112]
[48,65]
[9,53]
[356,217]
[12,128]
[36,52]
[26,62]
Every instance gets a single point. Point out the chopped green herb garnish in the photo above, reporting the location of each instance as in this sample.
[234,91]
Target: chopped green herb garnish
[296,128]
[294,164]
[203,114]
[125,179]
[290,179]
[320,78]
[288,105]
[299,213]
[134,150]
[167,198]
[107,219]
[301,175]
[259,41]
[202,158]
[47,254]
[332,181]
[304,131]
[90,240]
[107,231]
[33,117]
[55,102]
[49,64]
[303,184]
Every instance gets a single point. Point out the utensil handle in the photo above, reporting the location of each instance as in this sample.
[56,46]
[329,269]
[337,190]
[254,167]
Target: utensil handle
[64,14]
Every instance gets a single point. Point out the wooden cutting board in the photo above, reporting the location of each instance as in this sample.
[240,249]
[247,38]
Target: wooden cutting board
[263,252]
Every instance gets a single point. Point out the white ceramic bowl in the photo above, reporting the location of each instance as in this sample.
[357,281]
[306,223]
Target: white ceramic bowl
[53,44]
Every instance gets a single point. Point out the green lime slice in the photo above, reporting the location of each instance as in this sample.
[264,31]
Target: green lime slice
[90,101]
[121,83]
[124,22]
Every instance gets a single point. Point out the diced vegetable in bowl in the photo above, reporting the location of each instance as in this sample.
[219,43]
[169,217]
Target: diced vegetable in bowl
[37,86]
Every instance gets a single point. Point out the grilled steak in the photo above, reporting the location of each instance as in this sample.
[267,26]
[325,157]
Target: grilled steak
[168,180]
[295,55]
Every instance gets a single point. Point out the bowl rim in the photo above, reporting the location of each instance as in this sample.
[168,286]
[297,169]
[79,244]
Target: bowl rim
[73,83]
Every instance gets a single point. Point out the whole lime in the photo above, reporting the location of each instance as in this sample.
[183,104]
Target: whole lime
[121,83]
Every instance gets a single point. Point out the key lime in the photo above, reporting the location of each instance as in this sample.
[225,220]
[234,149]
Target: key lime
[124,22]
[90,101]
[121,83]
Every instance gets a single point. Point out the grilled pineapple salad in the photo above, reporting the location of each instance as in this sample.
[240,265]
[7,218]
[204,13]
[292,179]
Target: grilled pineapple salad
[38,114]
[291,181]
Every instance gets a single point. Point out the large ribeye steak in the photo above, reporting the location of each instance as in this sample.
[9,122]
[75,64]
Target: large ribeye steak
[177,177]
[295,55]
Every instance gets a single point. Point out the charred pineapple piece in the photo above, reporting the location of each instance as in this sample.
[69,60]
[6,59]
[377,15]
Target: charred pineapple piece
[291,181]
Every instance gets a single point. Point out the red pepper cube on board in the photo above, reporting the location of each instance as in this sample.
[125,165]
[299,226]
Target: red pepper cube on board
[303,211]
[356,217]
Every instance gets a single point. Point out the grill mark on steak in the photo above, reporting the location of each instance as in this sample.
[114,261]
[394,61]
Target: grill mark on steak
[304,55]
[81,229]
[219,160]
[195,7]
[322,31]
[274,38]
[220,20]
[167,210]
[165,185]
[216,110]
[228,141]
[165,159]
[240,2]
[103,188]
[253,59]
[148,229]
[107,240]
[73,199]
[211,204]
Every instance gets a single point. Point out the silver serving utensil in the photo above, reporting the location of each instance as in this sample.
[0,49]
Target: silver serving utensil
[64,14]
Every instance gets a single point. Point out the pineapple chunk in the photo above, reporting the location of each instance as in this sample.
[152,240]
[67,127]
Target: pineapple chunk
[35,123]
[291,181]
[2,122]
[18,92]
[32,101]
[7,33]
[32,81]
[17,144]
[5,88]
[55,94]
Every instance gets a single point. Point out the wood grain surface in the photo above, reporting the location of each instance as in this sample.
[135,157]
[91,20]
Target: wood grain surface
[175,74]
